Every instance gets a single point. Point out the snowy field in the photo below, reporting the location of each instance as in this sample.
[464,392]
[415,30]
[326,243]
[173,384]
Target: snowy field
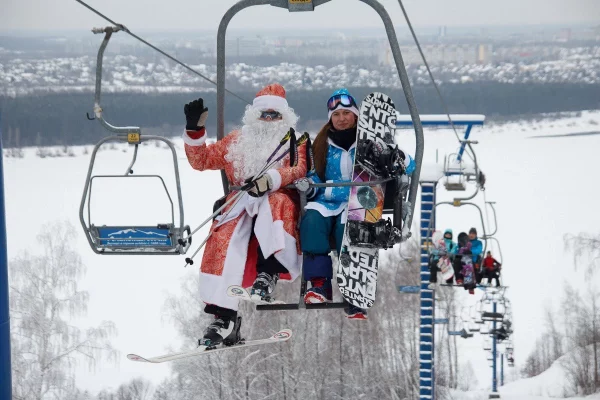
[543,189]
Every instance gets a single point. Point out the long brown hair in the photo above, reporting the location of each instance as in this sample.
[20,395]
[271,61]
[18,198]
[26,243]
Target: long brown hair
[320,147]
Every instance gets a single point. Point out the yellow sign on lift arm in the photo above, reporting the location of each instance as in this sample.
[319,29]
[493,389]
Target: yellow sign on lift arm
[301,5]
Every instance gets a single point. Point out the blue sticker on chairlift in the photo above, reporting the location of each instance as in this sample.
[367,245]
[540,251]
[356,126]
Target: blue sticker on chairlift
[134,237]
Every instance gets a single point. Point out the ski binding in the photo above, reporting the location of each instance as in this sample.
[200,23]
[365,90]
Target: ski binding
[242,294]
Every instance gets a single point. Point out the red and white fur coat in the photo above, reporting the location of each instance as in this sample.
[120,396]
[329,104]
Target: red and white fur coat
[230,255]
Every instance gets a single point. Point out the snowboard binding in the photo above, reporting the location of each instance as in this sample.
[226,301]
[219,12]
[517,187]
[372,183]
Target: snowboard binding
[380,159]
[381,234]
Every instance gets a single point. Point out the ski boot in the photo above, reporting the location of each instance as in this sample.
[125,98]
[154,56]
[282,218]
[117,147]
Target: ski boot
[263,286]
[222,330]
[353,312]
[319,293]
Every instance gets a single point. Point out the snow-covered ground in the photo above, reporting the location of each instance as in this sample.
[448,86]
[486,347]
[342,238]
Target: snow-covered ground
[544,188]
[549,384]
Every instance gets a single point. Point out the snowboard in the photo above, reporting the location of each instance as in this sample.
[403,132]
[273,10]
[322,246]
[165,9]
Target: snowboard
[445,267]
[281,336]
[365,232]
[242,294]
[468,273]
[444,263]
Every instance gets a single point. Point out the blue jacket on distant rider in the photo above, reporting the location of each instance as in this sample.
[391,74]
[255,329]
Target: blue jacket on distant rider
[451,246]
[476,245]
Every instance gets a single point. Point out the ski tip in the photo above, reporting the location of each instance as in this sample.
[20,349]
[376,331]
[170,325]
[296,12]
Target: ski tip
[135,357]
[283,335]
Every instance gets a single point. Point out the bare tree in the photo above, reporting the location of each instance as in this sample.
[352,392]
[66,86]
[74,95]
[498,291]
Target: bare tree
[136,389]
[583,333]
[586,247]
[44,297]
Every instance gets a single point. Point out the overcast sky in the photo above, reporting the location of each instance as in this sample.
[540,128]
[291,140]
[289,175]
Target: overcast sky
[196,14]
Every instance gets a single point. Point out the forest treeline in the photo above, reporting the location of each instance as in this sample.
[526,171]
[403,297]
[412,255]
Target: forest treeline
[60,119]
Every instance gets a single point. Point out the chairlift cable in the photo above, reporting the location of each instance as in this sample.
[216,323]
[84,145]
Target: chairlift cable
[125,29]
[437,89]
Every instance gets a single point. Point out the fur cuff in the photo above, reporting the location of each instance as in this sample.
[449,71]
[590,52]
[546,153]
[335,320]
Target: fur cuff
[193,142]
[275,178]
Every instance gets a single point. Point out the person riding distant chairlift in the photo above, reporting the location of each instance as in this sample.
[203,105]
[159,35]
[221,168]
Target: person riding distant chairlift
[437,253]
[334,149]
[257,240]
[476,250]
[491,269]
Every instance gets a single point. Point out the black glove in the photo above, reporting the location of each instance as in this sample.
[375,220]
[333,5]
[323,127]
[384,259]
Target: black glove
[195,115]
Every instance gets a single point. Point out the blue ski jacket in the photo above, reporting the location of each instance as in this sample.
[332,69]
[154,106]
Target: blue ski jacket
[451,247]
[332,201]
[476,248]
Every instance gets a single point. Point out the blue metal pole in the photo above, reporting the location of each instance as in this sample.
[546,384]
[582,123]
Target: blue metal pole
[502,369]
[495,376]
[426,331]
[5,370]
[463,145]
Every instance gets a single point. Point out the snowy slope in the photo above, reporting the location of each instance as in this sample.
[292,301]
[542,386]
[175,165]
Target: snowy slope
[549,384]
[544,189]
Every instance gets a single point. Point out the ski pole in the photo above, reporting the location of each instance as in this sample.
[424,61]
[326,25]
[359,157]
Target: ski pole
[190,260]
[214,214]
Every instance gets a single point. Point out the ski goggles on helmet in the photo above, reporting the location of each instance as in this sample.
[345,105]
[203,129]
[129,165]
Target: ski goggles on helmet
[270,115]
[344,99]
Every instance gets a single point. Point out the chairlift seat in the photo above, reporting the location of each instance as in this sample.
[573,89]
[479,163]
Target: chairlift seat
[455,186]
[492,316]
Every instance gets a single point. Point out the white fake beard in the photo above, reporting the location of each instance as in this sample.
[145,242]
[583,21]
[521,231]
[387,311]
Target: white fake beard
[257,141]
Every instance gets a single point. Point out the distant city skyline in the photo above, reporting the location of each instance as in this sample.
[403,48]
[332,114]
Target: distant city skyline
[144,15]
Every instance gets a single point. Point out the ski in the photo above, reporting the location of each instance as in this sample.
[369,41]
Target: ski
[281,336]
[242,294]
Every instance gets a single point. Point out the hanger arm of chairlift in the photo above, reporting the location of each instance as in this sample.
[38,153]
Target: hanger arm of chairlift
[108,31]
[491,205]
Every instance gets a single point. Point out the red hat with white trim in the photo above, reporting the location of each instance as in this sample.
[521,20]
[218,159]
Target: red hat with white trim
[271,97]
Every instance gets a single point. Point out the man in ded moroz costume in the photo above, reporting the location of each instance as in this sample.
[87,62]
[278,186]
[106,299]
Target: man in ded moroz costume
[255,241]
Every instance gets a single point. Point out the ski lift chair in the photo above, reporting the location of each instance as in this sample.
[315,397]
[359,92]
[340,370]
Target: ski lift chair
[456,174]
[455,180]
[392,203]
[488,316]
[165,237]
